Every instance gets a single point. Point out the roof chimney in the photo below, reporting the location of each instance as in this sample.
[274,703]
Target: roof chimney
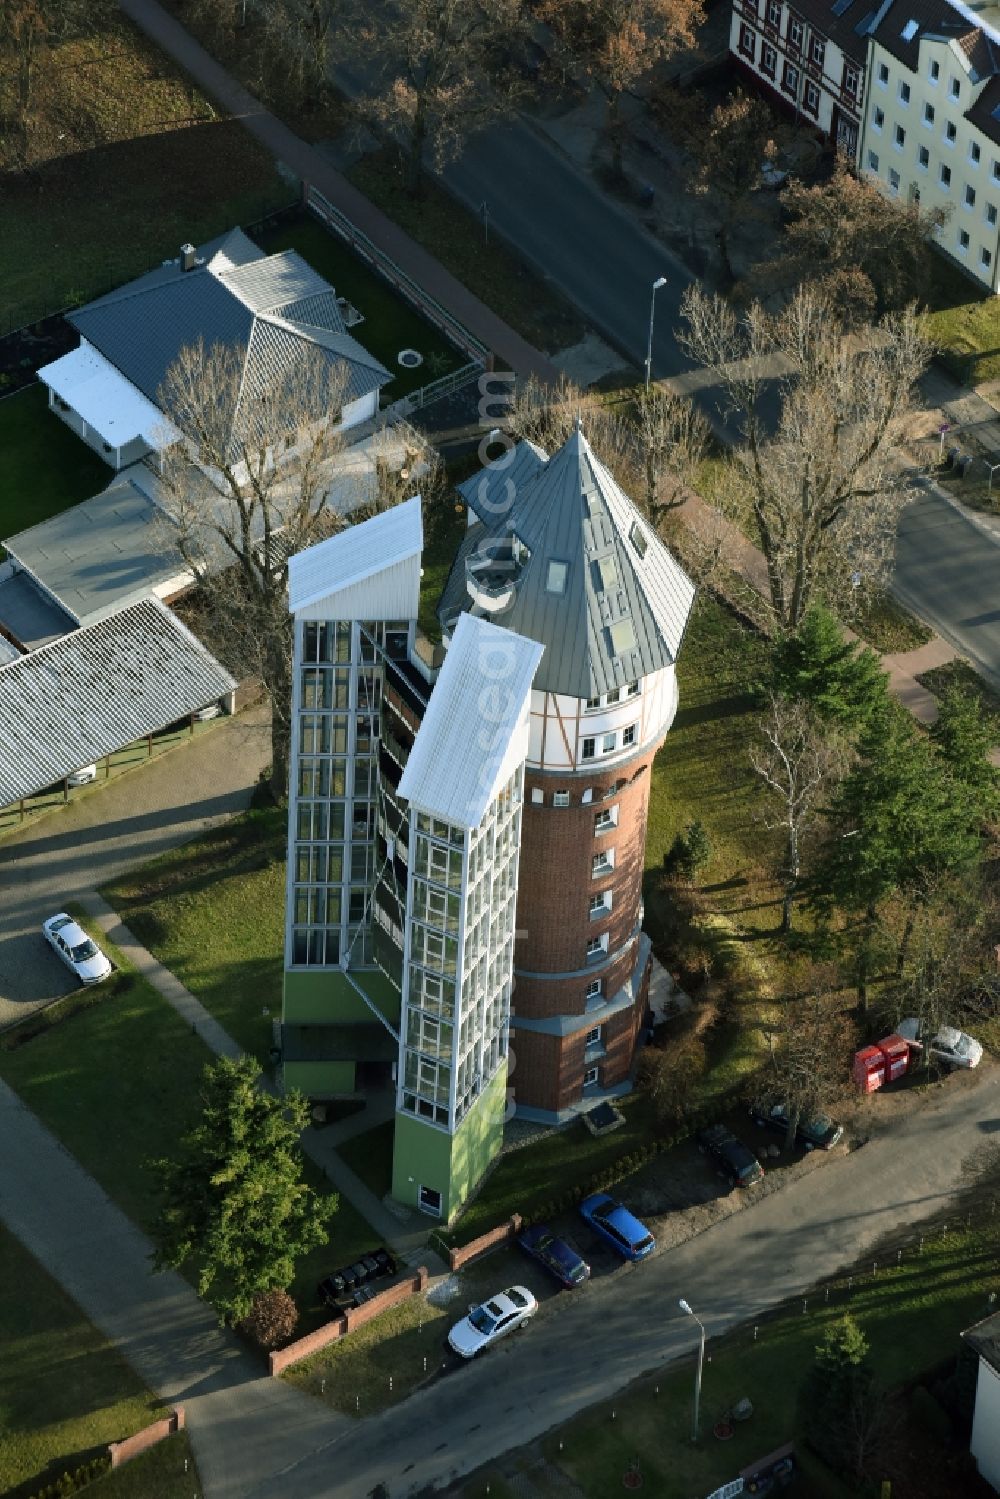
[188,261]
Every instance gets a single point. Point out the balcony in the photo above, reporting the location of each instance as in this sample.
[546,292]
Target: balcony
[491,575]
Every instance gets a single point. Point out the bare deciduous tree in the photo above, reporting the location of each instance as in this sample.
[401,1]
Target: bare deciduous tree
[617,42]
[673,440]
[798,760]
[823,484]
[447,72]
[728,153]
[810,1048]
[245,489]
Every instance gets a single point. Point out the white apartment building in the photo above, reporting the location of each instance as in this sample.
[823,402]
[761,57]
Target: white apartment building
[931,130]
[810,58]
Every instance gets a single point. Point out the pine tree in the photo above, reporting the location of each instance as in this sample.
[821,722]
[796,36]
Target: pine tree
[966,738]
[842,682]
[233,1198]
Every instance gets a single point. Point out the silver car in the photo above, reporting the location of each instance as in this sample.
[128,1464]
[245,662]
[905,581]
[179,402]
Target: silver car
[950,1046]
[78,951]
[487,1323]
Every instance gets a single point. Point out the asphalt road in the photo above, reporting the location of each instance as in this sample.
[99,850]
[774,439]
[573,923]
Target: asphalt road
[109,829]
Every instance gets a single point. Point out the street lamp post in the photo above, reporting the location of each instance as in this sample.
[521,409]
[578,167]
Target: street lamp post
[660,281]
[701,1361]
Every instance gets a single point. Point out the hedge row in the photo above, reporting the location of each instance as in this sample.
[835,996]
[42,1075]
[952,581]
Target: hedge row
[71,1483]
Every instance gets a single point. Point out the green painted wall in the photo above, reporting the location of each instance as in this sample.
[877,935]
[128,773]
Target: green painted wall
[450,1164]
[317,996]
[320,1079]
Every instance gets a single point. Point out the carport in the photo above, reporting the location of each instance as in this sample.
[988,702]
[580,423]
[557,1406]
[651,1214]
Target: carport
[97,690]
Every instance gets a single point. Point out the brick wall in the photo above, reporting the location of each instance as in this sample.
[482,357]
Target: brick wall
[122,1452]
[556,880]
[485,1242]
[340,1326]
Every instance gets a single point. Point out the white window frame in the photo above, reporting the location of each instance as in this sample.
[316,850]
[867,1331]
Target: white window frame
[595,989]
[894,180]
[560,798]
[963,241]
[928,116]
[882,75]
[969,198]
[605,820]
[600,905]
[878,118]
[923,158]
[595,1037]
[873,161]
[903,92]
[899,137]
[591,1075]
[537,796]
[602,863]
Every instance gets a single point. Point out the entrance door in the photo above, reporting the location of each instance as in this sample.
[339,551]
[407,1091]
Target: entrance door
[430,1202]
[846,136]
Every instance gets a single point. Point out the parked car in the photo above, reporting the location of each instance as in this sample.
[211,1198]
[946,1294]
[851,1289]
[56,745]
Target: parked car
[78,951]
[211,710]
[558,1256]
[492,1320]
[617,1226]
[950,1046]
[343,1283]
[83,776]
[818,1133]
[734,1160]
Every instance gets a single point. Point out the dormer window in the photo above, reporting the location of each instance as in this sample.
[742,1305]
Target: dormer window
[555,577]
[910,30]
[607,568]
[622,636]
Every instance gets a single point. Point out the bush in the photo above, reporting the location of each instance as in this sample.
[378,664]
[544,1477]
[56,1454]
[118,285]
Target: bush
[272,1319]
[71,1483]
[689,852]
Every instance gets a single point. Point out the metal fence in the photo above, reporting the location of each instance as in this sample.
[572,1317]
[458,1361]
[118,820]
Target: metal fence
[396,276]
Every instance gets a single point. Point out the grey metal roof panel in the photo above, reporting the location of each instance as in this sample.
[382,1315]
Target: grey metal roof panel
[491,493]
[273,281]
[320,311]
[572,511]
[28,614]
[142,335]
[97,690]
[99,555]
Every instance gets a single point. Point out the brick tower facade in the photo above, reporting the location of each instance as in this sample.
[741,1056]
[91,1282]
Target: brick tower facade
[557,552]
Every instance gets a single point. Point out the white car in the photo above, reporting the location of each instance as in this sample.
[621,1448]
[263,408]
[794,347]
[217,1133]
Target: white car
[83,776]
[950,1046]
[488,1323]
[76,949]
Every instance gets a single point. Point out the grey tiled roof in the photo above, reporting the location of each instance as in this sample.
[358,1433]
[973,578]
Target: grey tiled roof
[624,607]
[97,690]
[273,307]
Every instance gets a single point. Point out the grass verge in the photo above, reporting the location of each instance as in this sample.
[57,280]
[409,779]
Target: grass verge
[64,1391]
[890,628]
[380,1363]
[499,278]
[212,911]
[166,1471]
[963,323]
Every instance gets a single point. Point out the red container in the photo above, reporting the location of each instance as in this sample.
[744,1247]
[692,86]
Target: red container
[868,1071]
[897,1057]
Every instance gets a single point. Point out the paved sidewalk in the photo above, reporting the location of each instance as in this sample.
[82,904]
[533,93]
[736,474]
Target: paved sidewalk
[406,1234]
[310,166]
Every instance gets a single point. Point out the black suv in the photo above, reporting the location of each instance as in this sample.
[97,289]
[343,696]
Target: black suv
[735,1160]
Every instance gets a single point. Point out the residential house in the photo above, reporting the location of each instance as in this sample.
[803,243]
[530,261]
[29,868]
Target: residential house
[984,1337]
[271,308]
[810,58]
[470,832]
[932,123]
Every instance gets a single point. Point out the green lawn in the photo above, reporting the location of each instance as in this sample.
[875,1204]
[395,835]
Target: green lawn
[370,1157]
[958,673]
[46,467]
[64,1391]
[452,234]
[166,1471]
[213,913]
[353,1374]
[390,322]
[912,1315]
[117,1082]
[137,162]
[964,323]
[532,1177]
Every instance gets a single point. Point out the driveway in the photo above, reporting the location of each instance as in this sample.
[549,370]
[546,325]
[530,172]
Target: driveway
[110,829]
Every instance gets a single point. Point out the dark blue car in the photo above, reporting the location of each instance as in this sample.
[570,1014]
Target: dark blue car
[557,1255]
[617,1225]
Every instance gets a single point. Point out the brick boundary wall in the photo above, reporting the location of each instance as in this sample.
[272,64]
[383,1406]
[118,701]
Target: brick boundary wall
[339,1327]
[485,1242]
[123,1452]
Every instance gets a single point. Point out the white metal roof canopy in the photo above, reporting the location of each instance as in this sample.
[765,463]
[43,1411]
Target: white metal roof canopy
[97,690]
[105,400]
